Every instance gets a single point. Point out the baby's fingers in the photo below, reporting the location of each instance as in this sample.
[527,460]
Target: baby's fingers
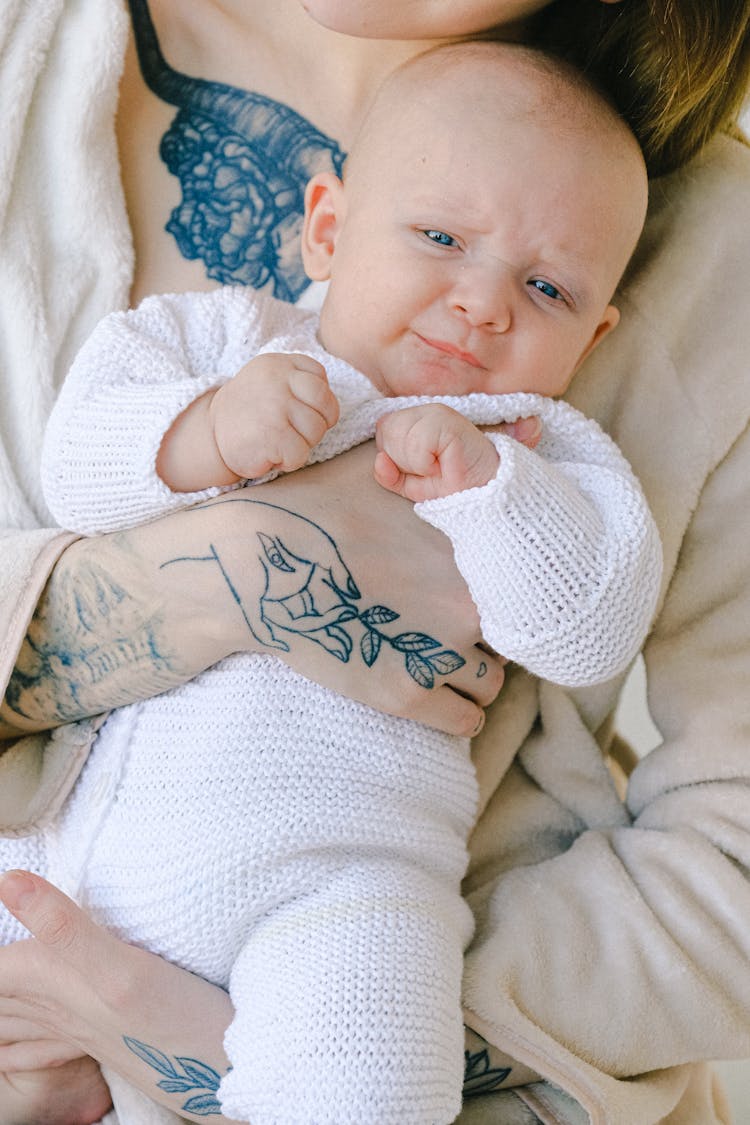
[311,409]
[387,473]
[527,431]
[309,385]
[307,424]
[411,436]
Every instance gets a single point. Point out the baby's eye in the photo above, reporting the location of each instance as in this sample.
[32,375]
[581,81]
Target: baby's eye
[440,237]
[547,289]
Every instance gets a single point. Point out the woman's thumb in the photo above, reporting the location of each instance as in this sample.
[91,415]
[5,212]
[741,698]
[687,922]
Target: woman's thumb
[51,917]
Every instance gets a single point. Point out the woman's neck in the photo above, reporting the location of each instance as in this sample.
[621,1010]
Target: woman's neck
[277,50]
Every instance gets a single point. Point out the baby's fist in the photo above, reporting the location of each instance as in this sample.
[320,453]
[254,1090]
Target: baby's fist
[272,413]
[429,451]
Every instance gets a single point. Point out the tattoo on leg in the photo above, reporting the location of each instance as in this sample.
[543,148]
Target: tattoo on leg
[481,670]
[182,1075]
[302,587]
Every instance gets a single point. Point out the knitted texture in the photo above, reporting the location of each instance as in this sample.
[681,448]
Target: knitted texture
[306,852]
[559,551]
[312,862]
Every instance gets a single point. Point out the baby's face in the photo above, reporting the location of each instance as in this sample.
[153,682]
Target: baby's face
[474,256]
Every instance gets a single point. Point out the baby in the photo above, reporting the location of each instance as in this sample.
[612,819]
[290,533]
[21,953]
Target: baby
[283,841]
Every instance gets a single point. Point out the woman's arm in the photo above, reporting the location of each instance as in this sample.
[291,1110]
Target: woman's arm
[157,1026]
[131,614]
[75,990]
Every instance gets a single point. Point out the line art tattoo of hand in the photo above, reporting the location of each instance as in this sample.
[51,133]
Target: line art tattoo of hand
[302,586]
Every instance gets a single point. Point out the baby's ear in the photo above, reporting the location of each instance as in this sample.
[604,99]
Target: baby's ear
[324,215]
[610,319]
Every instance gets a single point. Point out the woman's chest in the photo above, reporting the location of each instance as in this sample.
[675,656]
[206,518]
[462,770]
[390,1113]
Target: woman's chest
[214,175]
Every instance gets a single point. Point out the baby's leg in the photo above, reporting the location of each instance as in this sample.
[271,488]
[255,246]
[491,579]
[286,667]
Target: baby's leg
[348,1004]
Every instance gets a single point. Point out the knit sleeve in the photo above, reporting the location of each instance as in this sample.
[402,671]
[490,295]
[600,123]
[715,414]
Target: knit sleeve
[135,374]
[559,550]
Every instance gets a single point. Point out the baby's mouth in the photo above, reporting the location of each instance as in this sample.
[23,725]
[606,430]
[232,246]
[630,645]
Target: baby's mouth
[447,348]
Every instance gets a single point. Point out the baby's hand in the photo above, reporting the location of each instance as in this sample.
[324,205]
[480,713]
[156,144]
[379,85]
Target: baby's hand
[271,414]
[430,451]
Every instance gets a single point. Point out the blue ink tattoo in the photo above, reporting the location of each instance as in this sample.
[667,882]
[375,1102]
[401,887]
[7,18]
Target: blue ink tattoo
[242,161]
[188,1074]
[85,632]
[481,670]
[479,1076]
[304,588]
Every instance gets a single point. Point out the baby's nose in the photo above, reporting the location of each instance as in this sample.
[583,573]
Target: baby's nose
[484,297]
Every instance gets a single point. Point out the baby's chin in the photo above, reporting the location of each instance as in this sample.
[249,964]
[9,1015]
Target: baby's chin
[433,375]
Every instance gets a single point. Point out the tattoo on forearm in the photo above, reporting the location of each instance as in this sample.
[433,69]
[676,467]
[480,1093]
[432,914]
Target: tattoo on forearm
[97,641]
[182,1075]
[85,631]
[189,1075]
[302,587]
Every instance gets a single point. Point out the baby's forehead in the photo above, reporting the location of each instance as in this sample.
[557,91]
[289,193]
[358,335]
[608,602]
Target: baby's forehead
[491,95]
[503,123]
[490,84]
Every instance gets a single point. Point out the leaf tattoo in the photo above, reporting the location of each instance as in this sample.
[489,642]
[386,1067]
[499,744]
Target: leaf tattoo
[479,1076]
[420,659]
[297,584]
[188,1074]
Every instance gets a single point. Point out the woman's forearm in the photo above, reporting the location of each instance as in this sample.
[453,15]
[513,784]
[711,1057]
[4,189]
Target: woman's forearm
[158,1027]
[322,568]
[153,1024]
[113,626]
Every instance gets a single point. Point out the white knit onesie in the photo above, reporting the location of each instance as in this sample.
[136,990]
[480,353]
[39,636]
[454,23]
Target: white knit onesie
[278,839]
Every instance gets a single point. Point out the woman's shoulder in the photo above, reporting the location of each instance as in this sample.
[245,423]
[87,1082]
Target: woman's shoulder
[671,384]
[686,287]
[699,211]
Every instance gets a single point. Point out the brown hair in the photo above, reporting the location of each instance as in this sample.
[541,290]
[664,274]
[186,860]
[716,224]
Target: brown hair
[677,70]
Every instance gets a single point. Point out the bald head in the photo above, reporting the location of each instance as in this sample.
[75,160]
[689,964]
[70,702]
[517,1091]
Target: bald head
[484,93]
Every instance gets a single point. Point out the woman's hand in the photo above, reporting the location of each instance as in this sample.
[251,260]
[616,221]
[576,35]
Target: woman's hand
[43,1080]
[73,1093]
[322,567]
[74,990]
[341,580]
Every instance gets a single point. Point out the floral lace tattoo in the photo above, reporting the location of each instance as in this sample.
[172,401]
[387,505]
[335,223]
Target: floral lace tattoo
[242,161]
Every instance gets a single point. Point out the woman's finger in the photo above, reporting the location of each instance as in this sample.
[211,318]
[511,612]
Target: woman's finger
[73,1092]
[447,710]
[480,679]
[36,1054]
[66,970]
[50,916]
